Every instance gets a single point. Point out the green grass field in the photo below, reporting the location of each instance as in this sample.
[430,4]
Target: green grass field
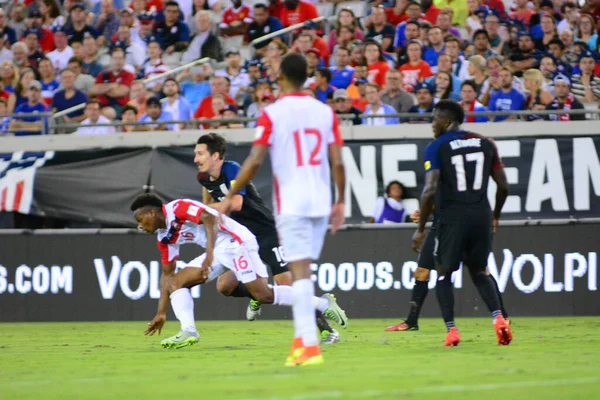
[550,358]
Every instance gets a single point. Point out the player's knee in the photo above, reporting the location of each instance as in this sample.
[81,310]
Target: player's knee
[175,284]
[284,279]
[422,274]
[225,288]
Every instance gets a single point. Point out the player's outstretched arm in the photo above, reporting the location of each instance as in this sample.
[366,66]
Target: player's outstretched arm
[432,180]
[247,172]
[339,175]
[502,191]
[154,326]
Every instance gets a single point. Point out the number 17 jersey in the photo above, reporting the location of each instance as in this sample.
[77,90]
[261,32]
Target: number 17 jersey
[299,130]
[466,161]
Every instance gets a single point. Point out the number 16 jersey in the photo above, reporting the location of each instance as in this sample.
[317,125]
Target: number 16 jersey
[466,162]
[299,130]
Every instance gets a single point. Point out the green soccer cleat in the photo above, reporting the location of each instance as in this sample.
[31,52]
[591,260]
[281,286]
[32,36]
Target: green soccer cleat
[182,339]
[330,337]
[334,312]
[253,311]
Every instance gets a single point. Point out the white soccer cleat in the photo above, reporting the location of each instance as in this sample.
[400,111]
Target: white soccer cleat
[253,311]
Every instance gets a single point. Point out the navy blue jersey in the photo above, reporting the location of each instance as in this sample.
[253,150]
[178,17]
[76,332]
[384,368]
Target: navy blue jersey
[466,161]
[254,215]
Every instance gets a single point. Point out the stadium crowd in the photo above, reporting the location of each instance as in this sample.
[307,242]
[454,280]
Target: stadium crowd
[400,57]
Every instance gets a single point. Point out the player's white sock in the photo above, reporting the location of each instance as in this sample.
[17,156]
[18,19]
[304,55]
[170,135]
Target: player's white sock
[283,295]
[305,323]
[183,306]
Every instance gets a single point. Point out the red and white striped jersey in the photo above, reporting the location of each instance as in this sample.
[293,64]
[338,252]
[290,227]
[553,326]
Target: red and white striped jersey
[184,227]
[299,130]
[242,14]
[154,68]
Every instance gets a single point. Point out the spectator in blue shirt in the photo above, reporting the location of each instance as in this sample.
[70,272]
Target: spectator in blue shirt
[436,47]
[175,104]
[376,107]
[69,97]
[263,25]
[322,87]
[155,113]
[424,93]
[468,94]
[172,34]
[342,74]
[507,98]
[30,125]
[198,88]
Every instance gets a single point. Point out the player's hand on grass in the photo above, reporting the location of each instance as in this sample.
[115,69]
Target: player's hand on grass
[417,241]
[415,216]
[338,217]
[156,324]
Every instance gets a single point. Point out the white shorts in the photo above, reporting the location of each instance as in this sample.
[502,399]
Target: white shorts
[302,238]
[242,259]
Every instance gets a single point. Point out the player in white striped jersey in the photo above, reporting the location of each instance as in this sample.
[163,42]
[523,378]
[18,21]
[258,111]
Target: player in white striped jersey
[229,246]
[304,137]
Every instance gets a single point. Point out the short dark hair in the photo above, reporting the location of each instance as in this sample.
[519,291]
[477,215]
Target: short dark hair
[146,200]
[563,8]
[413,22]
[118,49]
[325,73]
[129,107]
[215,143]
[471,83]
[75,60]
[481,32]
[261,6]
[451,110]
[392,183]
[452,38]
[347,50]
[294,68]
[558,42]
[171,3]
[76,41]
[93,100]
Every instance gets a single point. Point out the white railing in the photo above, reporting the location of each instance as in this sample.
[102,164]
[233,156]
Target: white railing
[284,31]
[146,81]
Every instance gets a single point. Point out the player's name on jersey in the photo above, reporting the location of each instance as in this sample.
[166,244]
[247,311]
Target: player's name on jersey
[461,143]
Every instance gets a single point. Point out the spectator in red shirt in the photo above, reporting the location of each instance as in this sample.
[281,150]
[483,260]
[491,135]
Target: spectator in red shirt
[31,38]
[218,85]
[378,67]
[361,86]
[310,28]
[297,11]
[46,39]
[113,85]
[416,69]
[236,19]
[430,11]
[275,8]
[523,13]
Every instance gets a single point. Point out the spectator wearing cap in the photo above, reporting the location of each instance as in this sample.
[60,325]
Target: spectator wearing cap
[262,25]
[230,112]
[236,19]
[172,34]
[313,61]
[469,103]
[6,31]
[444,21]
[322,86]
[175,104]
[376,107]
[527,57]
[138,96]
[395,95]
[5,52]
[262,96]
[135,52]
[435,49]
[424,94]
[586,85]
[376,63]
[492,27]
[411,32]
[380,31]
[154,65]
[30,125]
[90,64]
[78,29]
[48,80]
[297,11]
[31,38]
[45,36]
[310,29]
[571,17]
[361,71]
[481,42]
[522,13]
[199,87]
[219,85]
[416,69]
[144,29]
[112,85]
[93,117]
[238,77]
[343,105]
[83,81]
[342,74]
[507,98]
[204,43]
[69,97]
[62,54]
[156,115]
[549,30]
[106,22]
[460,66]
[361,87]
[564,100]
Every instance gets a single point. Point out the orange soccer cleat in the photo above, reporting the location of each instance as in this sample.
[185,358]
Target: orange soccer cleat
[503,333]
[310,356]
[402,327]
[452,338]
[295,352]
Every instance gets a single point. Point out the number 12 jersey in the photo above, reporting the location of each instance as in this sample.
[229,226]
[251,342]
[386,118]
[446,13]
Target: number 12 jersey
[299,130]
